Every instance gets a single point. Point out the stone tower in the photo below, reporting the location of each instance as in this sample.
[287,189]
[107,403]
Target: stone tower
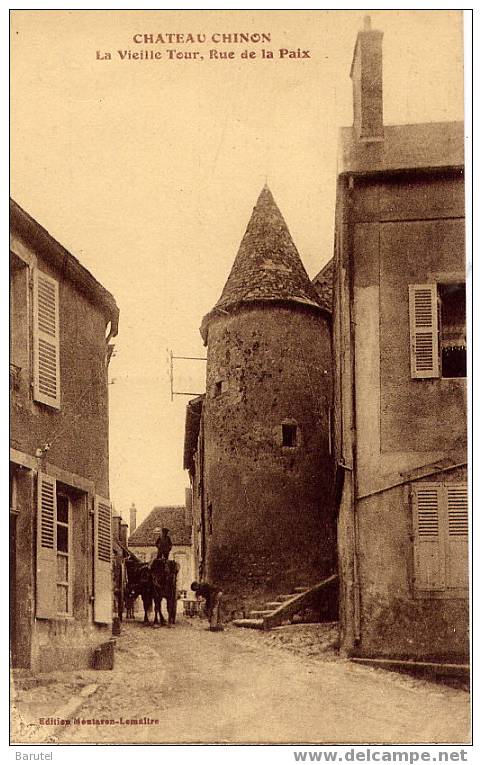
[267,468]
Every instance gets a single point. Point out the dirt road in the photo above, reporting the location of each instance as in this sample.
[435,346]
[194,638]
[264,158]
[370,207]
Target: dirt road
[235,687]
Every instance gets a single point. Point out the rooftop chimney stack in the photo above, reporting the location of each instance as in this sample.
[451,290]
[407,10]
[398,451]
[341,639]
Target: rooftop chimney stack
[188,505]
[132,519]
[123,534]
[116,522]
[366,75]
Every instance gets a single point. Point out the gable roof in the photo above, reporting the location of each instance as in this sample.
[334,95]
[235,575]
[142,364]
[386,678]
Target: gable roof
[53,252]
[172,517]
[323,284]
[267,266]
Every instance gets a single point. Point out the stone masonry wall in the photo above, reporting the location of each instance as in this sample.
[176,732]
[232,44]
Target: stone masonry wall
[269,516]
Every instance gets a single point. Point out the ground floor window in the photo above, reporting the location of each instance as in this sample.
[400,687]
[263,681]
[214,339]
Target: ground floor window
[440,526]
[64,526]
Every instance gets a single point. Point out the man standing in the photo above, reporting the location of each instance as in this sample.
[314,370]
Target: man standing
[164,544]
[212,595]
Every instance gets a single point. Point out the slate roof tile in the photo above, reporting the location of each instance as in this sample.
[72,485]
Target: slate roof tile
[323,284]
[267,266]
[172,517]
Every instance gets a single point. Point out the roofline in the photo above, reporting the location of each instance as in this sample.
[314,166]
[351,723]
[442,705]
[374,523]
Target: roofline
[152,544]
[299,303]
[387,171]
[323,269]
[71,267]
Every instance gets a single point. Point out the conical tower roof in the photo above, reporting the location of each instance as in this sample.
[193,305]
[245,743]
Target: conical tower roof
[267,266]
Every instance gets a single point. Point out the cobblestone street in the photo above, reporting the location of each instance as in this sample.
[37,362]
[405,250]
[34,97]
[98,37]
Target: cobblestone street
[239,686]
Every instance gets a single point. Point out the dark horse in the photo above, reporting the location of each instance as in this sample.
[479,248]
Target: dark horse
[163,577]
[154,582]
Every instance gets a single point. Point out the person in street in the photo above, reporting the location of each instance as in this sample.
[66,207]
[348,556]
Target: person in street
[164,544]
[213,597]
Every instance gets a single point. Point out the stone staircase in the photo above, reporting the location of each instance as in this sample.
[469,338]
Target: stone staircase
[282,609]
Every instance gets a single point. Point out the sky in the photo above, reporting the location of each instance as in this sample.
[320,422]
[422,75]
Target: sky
[148,170]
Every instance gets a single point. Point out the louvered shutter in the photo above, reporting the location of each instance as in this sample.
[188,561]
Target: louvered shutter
[46,335]
[423,307]
[102,560]
[429,547]
[458,531]
[46,606]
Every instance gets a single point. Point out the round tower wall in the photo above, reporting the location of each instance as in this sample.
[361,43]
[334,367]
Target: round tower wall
[268,471]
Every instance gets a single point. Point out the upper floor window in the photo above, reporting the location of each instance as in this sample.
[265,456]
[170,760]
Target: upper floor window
[46,340]
[437,330]
[19,323]
[453,343]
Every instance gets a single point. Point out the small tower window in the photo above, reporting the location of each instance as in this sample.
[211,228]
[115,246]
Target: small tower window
[289,433]
[219,387]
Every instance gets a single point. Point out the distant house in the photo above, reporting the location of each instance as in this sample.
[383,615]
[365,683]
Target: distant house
[61,325]
[178,519]
[400,391]
[193,463]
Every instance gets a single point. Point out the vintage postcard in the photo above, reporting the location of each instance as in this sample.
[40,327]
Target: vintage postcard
[238,378]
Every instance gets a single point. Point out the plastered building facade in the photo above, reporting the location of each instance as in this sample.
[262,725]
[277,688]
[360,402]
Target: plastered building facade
[400,380]
[62,322]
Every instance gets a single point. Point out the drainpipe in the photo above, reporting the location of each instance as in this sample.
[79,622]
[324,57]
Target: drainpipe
[354,481]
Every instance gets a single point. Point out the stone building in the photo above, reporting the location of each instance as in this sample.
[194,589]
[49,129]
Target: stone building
[61,324]
[400,379]
[257,444]
[178,519]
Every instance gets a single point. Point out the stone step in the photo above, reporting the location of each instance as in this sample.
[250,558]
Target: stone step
[299,590]
[282,598]
[259,614]
[254,624]
[273,604]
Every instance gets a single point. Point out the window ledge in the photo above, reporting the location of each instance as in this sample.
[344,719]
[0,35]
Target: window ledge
[456,593]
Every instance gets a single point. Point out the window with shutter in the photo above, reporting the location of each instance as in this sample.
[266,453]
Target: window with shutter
[458,532]
[440,517]
[102,560]
[423,309]
[429,556]
[46,605]
[46,335]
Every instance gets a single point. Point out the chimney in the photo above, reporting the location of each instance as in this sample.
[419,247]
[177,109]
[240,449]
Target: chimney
[366,75]
[188,510]
[132,519]
[123,534]
[116,522]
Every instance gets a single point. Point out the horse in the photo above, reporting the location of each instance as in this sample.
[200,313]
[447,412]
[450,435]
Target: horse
[163,578]
[138,583]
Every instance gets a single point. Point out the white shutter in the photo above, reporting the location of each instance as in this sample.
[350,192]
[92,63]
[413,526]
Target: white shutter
[429,547]
[46,605]
[423,307]
[458,531]
[46,336]
[102,560]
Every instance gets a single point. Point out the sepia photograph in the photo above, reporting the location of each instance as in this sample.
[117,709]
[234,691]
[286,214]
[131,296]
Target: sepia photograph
[239,503]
